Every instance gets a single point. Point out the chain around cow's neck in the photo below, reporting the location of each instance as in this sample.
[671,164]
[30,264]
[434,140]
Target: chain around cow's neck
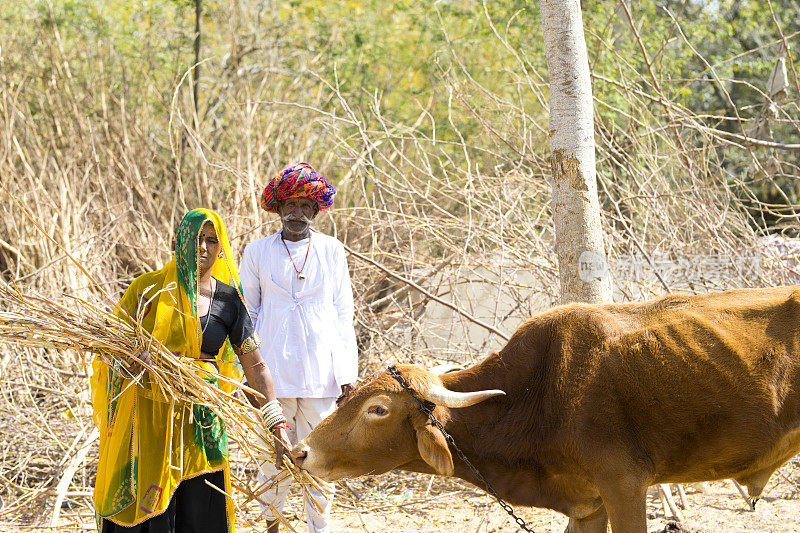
[427,409]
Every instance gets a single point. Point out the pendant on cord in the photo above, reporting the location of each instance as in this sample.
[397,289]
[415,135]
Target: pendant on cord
[300,275]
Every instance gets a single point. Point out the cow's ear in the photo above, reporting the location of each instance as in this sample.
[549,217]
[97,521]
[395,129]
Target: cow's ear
[434,451]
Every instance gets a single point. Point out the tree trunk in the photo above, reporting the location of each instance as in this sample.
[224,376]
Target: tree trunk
[582,264]
[198,13]
[204,193]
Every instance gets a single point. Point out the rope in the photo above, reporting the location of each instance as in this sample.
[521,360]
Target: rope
[427,409]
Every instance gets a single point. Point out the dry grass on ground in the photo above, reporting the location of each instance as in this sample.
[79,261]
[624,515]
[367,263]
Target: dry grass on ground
[402,502]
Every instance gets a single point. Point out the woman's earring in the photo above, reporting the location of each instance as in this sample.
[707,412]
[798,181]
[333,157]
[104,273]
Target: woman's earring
[221,255]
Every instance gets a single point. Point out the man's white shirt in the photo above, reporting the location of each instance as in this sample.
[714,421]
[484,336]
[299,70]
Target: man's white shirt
[305,326]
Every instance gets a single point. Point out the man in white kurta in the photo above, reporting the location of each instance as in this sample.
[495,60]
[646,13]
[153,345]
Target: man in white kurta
[297,287]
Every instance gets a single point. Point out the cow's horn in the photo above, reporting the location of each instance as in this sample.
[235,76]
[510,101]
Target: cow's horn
[448,398]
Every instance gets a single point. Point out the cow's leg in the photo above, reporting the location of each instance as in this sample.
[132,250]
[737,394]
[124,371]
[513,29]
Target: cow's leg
[750,501]
[755,484]
[627,509]
[596,522]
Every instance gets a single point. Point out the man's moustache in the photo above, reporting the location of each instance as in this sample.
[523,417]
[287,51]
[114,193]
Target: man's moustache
[301,218]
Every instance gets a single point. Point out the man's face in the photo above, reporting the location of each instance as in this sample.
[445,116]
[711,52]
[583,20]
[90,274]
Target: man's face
[296,215]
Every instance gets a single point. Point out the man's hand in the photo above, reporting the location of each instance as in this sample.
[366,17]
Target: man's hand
[347,389]
[281,441]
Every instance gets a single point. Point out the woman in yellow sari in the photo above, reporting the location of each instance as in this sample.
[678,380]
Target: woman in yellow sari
[160,460]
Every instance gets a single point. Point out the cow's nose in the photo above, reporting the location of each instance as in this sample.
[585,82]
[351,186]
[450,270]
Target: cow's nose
[300,452]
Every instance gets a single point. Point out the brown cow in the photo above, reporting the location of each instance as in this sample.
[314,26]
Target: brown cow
[601,401]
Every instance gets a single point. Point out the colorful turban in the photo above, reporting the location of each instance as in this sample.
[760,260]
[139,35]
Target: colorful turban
[297,181]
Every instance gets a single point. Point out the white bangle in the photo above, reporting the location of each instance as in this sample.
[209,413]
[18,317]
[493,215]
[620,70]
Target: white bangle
[275,421]
[271,408]
[272,414]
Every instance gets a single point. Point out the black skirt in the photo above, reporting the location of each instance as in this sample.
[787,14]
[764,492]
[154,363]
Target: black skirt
[194,508]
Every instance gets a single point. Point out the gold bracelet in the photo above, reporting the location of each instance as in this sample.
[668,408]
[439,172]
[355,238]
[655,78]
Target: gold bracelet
[248,345]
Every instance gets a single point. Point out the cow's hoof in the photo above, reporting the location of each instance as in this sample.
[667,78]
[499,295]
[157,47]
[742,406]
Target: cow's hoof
[673,527]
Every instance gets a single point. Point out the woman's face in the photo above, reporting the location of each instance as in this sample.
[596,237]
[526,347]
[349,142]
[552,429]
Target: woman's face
[208,248]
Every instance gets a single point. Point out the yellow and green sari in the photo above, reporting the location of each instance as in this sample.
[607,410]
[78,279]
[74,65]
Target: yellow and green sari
[149,442]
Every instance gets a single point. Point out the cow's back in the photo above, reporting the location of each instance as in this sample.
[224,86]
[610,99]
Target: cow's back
[696,387]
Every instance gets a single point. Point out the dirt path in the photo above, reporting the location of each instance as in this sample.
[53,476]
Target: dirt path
[419,503]
[402,502]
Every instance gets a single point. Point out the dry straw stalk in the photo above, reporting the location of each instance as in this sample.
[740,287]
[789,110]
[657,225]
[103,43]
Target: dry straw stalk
[76,324]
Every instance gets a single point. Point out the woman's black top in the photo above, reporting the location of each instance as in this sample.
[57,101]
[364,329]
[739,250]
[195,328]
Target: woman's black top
[227,317]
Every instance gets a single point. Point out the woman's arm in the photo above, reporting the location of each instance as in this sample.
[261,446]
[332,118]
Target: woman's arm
[259,378]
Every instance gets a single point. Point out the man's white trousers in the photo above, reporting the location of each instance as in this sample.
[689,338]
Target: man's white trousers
[303,415]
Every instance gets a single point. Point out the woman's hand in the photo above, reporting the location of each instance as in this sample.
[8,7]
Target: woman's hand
[281,443]
[136,363]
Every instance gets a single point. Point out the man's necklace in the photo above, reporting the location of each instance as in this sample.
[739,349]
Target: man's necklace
[299,273]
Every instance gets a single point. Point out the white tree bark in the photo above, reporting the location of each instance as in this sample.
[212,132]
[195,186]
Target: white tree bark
[582,265]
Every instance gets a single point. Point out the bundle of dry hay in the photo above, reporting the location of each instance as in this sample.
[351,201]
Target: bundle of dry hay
[76,324]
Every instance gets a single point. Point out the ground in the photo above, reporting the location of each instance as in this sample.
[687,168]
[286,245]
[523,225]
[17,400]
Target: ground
[402,502]
[414,503]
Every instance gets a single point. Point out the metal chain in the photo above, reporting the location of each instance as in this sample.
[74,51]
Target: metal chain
[427,409]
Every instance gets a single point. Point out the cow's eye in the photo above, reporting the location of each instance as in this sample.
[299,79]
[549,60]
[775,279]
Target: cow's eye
[377,410]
